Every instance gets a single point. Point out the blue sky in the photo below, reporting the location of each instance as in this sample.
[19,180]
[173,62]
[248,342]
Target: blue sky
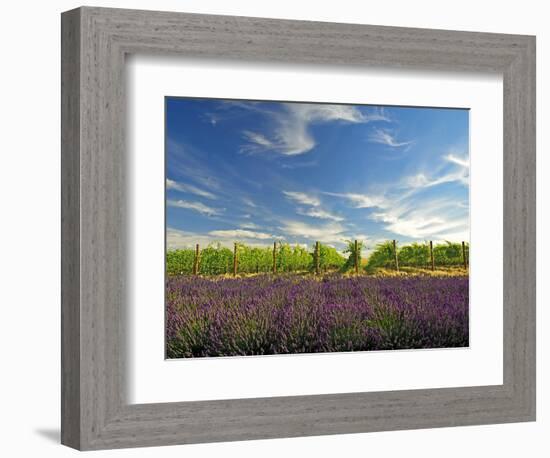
[256,172]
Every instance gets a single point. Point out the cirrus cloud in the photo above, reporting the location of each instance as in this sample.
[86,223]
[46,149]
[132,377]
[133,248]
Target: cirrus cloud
[291,133]
[188,188]
[195,206]
[302,198]
[385,137]
[241,234]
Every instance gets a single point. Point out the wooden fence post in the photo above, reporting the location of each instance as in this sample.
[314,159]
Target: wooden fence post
[317,255]
[432,255]
[274,257]
[196,260]
[356,257]
[235,261]
[395,255]
[464,260]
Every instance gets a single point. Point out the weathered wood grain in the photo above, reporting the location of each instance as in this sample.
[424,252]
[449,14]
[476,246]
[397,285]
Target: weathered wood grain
[70,229]
[95,410]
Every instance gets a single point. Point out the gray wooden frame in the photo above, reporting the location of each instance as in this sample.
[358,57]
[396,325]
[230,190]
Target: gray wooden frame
[95,413]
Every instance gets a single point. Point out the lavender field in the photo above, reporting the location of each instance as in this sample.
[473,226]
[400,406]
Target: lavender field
[265,314]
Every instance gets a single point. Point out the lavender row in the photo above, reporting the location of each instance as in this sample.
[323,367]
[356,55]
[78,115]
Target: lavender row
[265,315]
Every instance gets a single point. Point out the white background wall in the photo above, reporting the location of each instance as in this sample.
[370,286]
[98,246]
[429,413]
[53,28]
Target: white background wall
[29,228]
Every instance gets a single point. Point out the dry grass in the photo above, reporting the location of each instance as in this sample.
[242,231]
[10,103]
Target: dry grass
[455,271]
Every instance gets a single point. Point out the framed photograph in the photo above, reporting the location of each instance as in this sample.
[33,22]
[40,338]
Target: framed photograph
[277,228]
[280,197]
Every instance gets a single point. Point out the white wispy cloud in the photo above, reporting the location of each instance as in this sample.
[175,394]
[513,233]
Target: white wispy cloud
[376,114]
[258,139]
[433,218]
[189,188]
[385,137]
[241,234]
[195,206]
[249,225]
[248,201]
[459,173]
[361,200]
[315,210]
[303,198]
[360,237]
[178,239]
[319,213]
[420,180]
[291,135]
[406,214]
[419,225]
[462,235]
[406,210]
[328,233]
[461,161]
[190,161]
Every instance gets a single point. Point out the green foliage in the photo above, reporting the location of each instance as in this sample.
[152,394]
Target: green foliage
[329,258]
[450,254]
[382,256]
[179,262]
[417,255]
[414,255]
[255,259]
[293,258]
[216,260]
[353,254]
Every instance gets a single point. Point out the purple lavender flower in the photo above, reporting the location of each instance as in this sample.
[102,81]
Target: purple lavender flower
[289,314]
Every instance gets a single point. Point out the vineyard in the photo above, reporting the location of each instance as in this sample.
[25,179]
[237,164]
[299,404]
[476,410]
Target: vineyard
[289,299]
[320,258]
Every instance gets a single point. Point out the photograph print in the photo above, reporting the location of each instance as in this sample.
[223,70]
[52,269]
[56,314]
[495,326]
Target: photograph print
[296,228]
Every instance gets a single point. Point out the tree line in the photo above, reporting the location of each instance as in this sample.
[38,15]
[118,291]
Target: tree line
[425,255]
[216,259]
